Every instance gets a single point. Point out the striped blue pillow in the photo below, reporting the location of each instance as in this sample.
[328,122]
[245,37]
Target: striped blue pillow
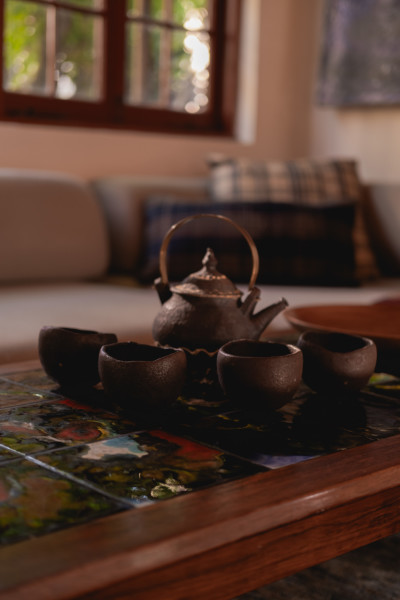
[297,244]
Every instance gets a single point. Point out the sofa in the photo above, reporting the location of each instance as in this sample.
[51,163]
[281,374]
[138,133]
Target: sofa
[81,254]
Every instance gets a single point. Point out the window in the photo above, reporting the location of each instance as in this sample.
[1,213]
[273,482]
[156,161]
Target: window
[165,65]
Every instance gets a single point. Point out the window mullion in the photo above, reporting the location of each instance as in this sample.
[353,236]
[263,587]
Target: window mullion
[165,56]
[50,60]
[2,10]
[114,58]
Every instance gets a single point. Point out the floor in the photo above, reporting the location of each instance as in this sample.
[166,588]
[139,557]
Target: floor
[368,573]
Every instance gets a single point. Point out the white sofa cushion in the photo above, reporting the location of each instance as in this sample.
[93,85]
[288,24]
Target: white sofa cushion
[124,310]
[129,311]
[51,228]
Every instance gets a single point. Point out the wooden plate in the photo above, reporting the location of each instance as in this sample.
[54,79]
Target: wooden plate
[380,322]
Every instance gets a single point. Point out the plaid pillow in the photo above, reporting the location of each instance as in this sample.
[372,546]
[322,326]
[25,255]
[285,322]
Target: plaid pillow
[302,181]
[305,245]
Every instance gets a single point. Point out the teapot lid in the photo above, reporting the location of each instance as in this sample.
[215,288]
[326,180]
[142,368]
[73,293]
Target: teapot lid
[208,282]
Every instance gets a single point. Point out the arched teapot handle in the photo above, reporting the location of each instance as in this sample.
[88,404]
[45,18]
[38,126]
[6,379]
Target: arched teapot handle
[173,229]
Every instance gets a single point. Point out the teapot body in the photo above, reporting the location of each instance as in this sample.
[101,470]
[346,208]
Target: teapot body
[206,310]
[201,323]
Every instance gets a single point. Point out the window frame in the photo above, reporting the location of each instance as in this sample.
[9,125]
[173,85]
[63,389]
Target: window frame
[111,112]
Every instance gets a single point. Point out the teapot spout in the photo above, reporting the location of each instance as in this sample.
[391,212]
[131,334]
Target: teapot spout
[163,291]
[265,316]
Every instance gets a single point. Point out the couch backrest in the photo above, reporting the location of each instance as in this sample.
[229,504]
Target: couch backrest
[123,201]
[383,222]
[51,228]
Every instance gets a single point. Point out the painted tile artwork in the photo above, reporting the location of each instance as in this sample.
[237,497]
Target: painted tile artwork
[35,501]
[12,394]
[6,455]
[45,426]
[67,461]
[148,466]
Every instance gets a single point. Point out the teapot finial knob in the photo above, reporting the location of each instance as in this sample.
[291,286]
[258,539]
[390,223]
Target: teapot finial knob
[209,261]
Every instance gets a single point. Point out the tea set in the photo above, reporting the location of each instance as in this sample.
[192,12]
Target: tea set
[205,314]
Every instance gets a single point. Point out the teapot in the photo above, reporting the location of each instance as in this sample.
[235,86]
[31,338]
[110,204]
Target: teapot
[206,310]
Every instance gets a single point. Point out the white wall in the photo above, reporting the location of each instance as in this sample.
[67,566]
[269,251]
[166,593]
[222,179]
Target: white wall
[287,125]
[371,135]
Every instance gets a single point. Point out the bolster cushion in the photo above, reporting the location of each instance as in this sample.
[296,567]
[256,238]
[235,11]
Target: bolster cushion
[52,228]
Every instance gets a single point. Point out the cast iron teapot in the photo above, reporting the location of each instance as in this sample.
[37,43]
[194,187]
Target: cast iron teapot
[205,310]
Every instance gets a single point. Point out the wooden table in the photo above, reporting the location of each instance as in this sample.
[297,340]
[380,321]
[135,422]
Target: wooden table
[221,541]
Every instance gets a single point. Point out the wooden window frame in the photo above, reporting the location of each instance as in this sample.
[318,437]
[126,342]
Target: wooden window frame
[111,112]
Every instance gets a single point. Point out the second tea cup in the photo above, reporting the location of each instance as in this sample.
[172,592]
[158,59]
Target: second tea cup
[337,362]
[142,377]
[259,375]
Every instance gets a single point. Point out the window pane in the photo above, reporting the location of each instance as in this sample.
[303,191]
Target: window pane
[190,72]
[95,4]
[181,81]
[25,47]
[192,14]
[78,56]
[143,64]
[149,8]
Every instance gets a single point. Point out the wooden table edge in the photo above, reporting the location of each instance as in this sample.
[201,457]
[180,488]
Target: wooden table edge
[141,541]
[102,553]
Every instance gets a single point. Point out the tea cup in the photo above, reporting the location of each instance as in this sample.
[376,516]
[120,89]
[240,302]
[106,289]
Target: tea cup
[337,362]
[140,376]
[261,375]
[70,356]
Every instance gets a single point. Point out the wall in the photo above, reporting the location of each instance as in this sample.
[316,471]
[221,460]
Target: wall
[282,105]
[371,135]
[286,124]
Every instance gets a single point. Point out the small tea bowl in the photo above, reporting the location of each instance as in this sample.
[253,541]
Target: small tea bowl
[70,356]
[337,362]
[259,375]
[142,377]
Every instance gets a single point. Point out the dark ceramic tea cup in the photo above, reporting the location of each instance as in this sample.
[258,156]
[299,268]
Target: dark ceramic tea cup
[337,362]
[259,375]
[142,377]
[70,356]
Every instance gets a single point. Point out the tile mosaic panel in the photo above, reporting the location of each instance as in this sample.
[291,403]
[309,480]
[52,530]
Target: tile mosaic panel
[34,501]
[6,455]
[45,426]
[148,466]
[12,394]
[308,426]
[35,378]
[92,458]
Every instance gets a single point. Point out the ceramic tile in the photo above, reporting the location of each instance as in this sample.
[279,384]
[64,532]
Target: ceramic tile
[45,426]
[35,378]
[35,501]
[6,455]
[385,385]
[13,394]
[308,426]
[148,466]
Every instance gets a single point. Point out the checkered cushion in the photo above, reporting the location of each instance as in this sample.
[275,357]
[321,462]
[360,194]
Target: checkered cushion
[297,244]
[301,181]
